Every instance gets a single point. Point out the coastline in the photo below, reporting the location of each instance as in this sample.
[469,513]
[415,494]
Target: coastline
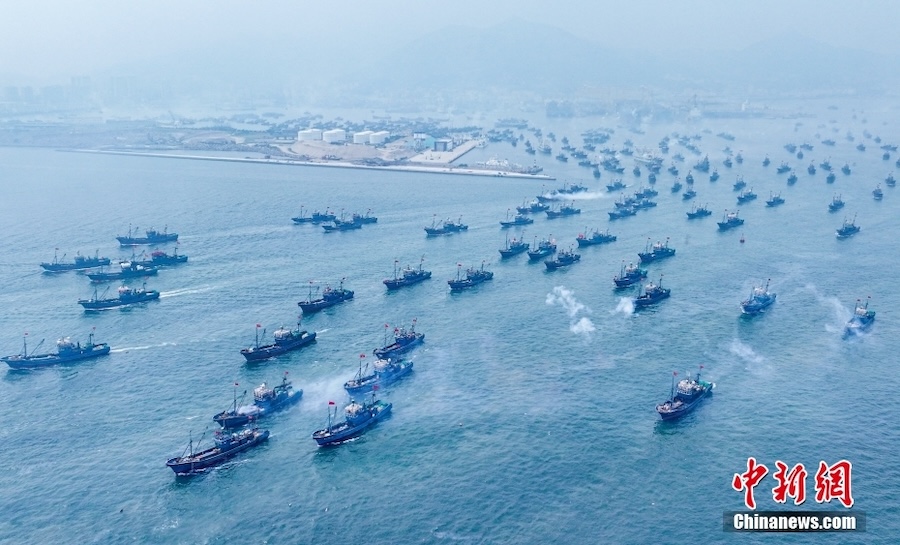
[424,169]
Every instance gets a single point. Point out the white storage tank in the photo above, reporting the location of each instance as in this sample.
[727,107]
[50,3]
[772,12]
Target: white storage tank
[309,134]
[362,137]
[379,137]
[335,136]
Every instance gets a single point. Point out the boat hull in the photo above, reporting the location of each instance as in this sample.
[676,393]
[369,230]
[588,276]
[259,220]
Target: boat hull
[272,350]
[213,457]
[397,348]
[668,415]
[342,432]
[48,360]
[102,304]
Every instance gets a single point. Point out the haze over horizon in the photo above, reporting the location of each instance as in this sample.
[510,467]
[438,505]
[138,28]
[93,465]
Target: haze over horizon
[49,39]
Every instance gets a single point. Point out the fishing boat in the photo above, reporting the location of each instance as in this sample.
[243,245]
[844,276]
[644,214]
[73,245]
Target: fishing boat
[688,195]
[129,269]
[714,176]
[159,258]
[564,210]
[81,263]
[514,247]
[615,186]
[563,259]
[358,417]
[676,187]
[862,319]
[542,249]
[766,162]
[364,219]
[126,296]
[651,178]
[846,169]
[702,165]
[826,165]
[792,179]
[66,351]
[699,212]
[730,220]
[689,179]
[830,178]
[836,204]
[685,396]
[783,167]
[300,218]
[629,275]
[226,446]
[828,142]
[284,340]
[151,237]
[407,276]
[653,293]
[739,184]
[384,372]
[341,225]
[404,341]
[727,162]
[329,298]
[518,219]
[265,401]
[446,228]
[811,169]
[889,181]
[775,199]
[739,159]
[877,193]
[323,217]
[654,252]
[596,237]
[760,299]
[848,229]
[473,277]
[535,206]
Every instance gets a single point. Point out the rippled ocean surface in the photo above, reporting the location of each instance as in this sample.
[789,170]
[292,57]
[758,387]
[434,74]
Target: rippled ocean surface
[530,415]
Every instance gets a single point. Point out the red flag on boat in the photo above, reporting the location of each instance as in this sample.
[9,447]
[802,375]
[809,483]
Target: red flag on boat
[258,325]
[362,355]
[375,387]
[236,384]
[331,402]
[674,373]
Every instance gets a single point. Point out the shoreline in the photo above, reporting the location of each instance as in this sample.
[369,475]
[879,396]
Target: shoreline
[335,164]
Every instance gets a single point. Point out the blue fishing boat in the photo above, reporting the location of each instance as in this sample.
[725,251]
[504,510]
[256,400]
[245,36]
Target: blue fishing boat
[159,258]
[300,218]
[826,165]
[126,296]
[615,186]
[518,219]
[673,170]
[889,181]
[535,206]
[739,184]
[689,179]
[66,351]
[446,228]
[341,225]
[564,210]
[620,213]
[651,178]
[81,263]
[830,178]
[727,162]
[629,275]
[404,341]
[811,169]
[846,169]
[323,217]
[364,219]
[473,277]
[226,446]
[563,259]
[699,212]
[836,204]
[685,396]
[384,372]
[676,187]
[151,237]
[714,176]
[542,249]
[128,269]
[848,229]
[862,319]
[514,247]
[792,179]
[595,237]
[265,401]
[739,159]
[775,199]
[654,252]
[730,220]
[760,299]
[766,162]
[653,293]
[358,417]
[784,167]
[284,340]
[877,193]
[407,276]
[688,195]
[702,165]
[329,298]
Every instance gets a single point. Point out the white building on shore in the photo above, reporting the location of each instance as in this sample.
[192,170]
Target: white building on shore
[362,137]
[309,134]
[379,137]
[335,136]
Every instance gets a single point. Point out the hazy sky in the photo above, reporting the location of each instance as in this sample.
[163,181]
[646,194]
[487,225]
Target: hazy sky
[60,38]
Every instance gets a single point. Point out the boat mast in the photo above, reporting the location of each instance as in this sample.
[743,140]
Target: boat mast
[672,395]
